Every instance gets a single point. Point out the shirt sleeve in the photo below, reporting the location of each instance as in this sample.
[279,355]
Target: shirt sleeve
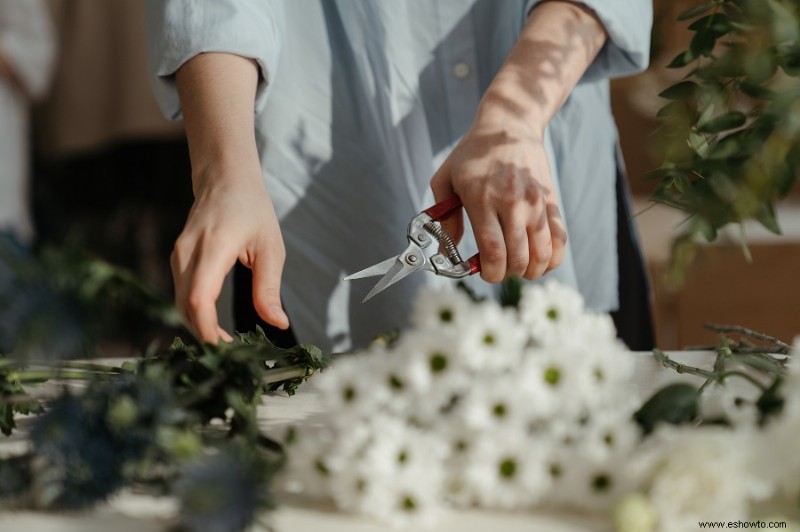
[628,24]
[178,30]
[27,42]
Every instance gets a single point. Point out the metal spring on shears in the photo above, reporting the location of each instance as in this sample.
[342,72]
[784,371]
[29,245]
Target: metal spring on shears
[450,249]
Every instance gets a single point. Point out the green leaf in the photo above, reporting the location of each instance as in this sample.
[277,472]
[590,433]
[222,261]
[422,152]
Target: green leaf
[725,148]
[771,401]
[680,91]
[718,24]
[511,292]
[682,59]
[766,217]
[755,91]
[702,43]
[681,183]
[673,404]
[698,143]
[697,10]
[729,120]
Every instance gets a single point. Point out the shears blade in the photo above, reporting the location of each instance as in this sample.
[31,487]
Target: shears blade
[378,269]
[393,269]
[398,271]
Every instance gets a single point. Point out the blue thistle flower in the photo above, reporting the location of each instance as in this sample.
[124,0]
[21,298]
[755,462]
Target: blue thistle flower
[224,492]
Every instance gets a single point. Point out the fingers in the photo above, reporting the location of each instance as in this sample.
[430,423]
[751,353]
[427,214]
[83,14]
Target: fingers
[267,269]
[442,190]
[198,278]
[519,239]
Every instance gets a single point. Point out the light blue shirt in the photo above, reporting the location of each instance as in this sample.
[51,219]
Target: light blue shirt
[362,100]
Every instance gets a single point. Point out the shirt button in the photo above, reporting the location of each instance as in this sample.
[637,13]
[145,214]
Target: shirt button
[461,70]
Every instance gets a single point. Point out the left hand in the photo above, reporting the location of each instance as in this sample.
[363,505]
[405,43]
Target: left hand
[503,179]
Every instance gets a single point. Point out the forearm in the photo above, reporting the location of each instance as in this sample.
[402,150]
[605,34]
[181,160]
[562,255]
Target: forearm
[557,45]
[217,93]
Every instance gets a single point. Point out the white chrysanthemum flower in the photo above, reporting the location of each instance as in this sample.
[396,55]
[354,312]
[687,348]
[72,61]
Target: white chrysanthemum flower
[308,468]
[549,311]
[491,405]
[594,328]
[609,433]
[348,388]
[778,461]
[702,474]
[495,339]
[443,308]
[722,402]
[505,469]
[438,352]
[398,476]
[557,382]
[588,481]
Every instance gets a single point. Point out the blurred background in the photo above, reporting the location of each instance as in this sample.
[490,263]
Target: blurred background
[111,174]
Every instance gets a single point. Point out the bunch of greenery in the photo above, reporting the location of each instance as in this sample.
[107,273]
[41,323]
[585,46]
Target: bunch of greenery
[180,420]
[730,133]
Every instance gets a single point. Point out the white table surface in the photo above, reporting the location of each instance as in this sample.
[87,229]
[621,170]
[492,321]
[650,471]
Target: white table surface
[128,511]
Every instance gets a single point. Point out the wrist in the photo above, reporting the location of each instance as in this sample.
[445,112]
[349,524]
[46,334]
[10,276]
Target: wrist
[501,111]
[224,172]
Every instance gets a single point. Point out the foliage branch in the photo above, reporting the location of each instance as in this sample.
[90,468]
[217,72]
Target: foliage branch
[730,132]
[179,420]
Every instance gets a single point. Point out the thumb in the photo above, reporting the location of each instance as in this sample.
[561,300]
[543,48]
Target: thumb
[267,270]
[442,188]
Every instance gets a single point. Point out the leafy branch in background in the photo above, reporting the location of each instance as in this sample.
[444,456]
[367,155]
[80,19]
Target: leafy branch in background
[730,133]
[179,420]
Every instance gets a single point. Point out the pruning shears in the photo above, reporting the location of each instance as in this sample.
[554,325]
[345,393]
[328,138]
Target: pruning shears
[423,231]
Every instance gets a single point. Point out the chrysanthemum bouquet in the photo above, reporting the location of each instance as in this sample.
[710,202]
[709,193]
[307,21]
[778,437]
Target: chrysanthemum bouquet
[478,405]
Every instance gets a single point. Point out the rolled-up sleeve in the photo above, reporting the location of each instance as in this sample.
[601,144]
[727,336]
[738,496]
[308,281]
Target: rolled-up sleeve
[27,42]
[628,24]
[178,30]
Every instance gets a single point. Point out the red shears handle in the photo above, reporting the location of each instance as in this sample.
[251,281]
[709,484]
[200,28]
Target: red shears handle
[444,210]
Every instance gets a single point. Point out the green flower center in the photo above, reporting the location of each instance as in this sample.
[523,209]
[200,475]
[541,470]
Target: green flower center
[608,439]
[499,410]
[349,394]
[601,483]
[446,315]
[402,457]
[489,339]
[409,504]
[395,383]
[438,362]
[552,376]
[508,468]
[555,470]
[321,468]
[552,314]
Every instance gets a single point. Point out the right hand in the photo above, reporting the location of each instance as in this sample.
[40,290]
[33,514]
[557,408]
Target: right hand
[232,219]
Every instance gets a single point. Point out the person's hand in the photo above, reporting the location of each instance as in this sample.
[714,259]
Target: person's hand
[500,169]
[503,179]
[232,219]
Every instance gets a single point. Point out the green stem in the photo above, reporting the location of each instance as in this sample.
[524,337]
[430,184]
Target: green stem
[682,368]
[71,364]
[299,371]
[783,348]
[39,376]
[745,376]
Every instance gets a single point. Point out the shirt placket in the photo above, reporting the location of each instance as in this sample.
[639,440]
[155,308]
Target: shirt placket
[458,66]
